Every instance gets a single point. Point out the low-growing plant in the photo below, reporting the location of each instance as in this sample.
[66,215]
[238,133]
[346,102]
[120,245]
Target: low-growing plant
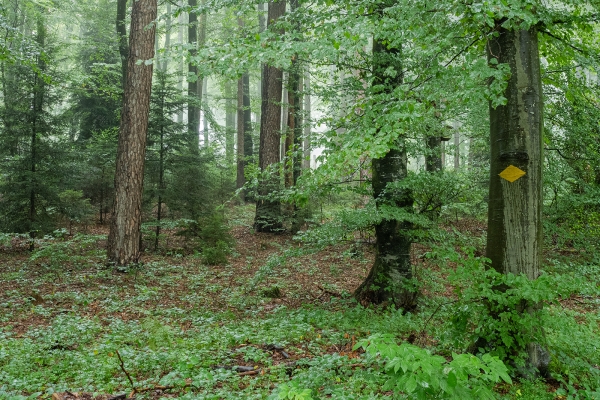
[418,373]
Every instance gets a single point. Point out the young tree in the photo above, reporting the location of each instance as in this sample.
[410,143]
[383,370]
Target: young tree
[268,210]
[124,237]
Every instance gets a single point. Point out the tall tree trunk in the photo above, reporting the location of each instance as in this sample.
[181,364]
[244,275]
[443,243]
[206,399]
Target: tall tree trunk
[181,63]
[193,79]
[39,89]
[124,238]
[390,275]
[268,210]
[205,112]
[240,178]
[514,239]
[307,122]
[457,149]
[122,35]
[230,112]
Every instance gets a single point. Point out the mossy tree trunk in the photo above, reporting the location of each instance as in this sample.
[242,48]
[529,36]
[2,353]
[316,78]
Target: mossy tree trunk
[514,239]
[390,275]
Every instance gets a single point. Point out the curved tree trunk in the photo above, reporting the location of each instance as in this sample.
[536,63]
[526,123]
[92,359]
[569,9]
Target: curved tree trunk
[389,279]
[514,239]
[125,237]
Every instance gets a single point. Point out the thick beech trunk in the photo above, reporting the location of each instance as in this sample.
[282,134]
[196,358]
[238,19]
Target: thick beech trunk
[268,210]
[514,240]
[124,237]
[390,275]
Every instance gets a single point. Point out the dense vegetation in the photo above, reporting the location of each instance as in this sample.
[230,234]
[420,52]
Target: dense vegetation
[354,199]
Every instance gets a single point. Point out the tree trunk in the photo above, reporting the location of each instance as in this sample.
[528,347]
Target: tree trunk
[37,108]
[433,157]
[205,112]
[193,79]
[268,210]
[514,239]
[125,237]
[180,64]
[307,122]
[457,150]
[122,36]
[230,112]
[240,178]
[390,275]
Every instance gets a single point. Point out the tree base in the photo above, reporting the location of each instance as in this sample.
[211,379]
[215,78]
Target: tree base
[399,294]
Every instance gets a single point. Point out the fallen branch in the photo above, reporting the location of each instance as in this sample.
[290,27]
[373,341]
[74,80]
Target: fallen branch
[329,292]
[122,365]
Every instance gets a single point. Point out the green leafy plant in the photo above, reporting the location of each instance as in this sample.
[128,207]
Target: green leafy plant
[418,373]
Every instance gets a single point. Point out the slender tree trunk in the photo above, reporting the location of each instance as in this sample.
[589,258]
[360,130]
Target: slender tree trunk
[391,272]
[122,35]
[124,238]
[37,108]
[268,210]
[514,239]
[205,112]
[161,180]
[230,112]
[307,122]
[165,61]
[193,108]
[240,179]
[181,63]
[457,150]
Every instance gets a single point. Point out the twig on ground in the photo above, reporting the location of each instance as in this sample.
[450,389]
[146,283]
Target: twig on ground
[122,365]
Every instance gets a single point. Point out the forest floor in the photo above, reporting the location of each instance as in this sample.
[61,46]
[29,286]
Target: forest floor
[263,325]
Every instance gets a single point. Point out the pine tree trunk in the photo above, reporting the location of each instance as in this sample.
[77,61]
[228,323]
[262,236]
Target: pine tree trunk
[433,157]
[391,272]
[124,238]
[514,240]
[268,210]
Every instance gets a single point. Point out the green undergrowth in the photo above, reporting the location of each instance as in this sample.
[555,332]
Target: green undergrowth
[69,323]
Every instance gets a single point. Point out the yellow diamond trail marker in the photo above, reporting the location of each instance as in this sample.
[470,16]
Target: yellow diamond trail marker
[512,173]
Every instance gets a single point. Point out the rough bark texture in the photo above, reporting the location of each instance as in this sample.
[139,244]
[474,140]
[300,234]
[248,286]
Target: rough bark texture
[124,237]
[514,240]
[389,277]
[268,210]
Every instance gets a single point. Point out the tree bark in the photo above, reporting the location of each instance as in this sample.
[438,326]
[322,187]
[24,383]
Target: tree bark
[307,122]
[268,210]
[244,130]
[514,240]
[457,150]
[124,238]
[433,157]
[390,275]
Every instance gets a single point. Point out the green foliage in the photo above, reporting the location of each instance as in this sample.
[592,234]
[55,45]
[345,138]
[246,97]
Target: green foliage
[74,207]
[419,374]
